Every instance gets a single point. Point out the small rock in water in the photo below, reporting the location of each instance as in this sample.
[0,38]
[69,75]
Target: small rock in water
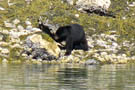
[92,62]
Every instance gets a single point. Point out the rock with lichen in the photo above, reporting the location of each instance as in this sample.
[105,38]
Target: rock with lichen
[40,48]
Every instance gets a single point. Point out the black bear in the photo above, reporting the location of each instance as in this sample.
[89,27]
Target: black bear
[73,35]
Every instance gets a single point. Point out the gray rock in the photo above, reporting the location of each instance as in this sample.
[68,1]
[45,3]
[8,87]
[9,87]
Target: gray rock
[36,29]
[132,4]
[41,53]
[71,2]
[94,4]
[92,62]
[38,48]
[91,5]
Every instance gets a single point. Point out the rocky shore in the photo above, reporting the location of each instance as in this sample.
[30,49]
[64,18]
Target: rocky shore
[29,44]
[26,42]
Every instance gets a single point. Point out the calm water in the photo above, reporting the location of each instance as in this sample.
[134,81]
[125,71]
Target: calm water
[66,77]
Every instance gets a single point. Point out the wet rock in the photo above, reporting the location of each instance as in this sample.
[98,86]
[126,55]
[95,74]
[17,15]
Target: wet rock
[92,62]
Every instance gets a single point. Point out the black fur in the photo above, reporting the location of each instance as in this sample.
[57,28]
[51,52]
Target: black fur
[74,36]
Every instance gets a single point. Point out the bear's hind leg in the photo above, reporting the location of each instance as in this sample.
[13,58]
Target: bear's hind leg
[84,45]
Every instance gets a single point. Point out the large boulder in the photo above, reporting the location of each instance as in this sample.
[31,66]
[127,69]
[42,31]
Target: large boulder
[91,5]
[40,48]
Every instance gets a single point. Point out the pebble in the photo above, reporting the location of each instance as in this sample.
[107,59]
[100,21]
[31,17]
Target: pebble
[36,29]
[4,60]
[3,43]
[77,15]
[29,28]
[24,55]
[16,46]
[20,28]
[132,5]
[5,51]
[28,23]
[1,8]
[10,25]
[5,32]
[123,18]
[16,21]
[91,62]
[1,37]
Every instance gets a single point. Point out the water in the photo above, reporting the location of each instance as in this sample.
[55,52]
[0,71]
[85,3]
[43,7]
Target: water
[66,77]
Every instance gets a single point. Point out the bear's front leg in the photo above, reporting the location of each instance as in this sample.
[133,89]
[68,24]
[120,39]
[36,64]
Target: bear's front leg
[69,46]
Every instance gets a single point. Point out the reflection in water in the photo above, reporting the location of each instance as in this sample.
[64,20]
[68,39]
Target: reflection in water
[66,77]
[73,78]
